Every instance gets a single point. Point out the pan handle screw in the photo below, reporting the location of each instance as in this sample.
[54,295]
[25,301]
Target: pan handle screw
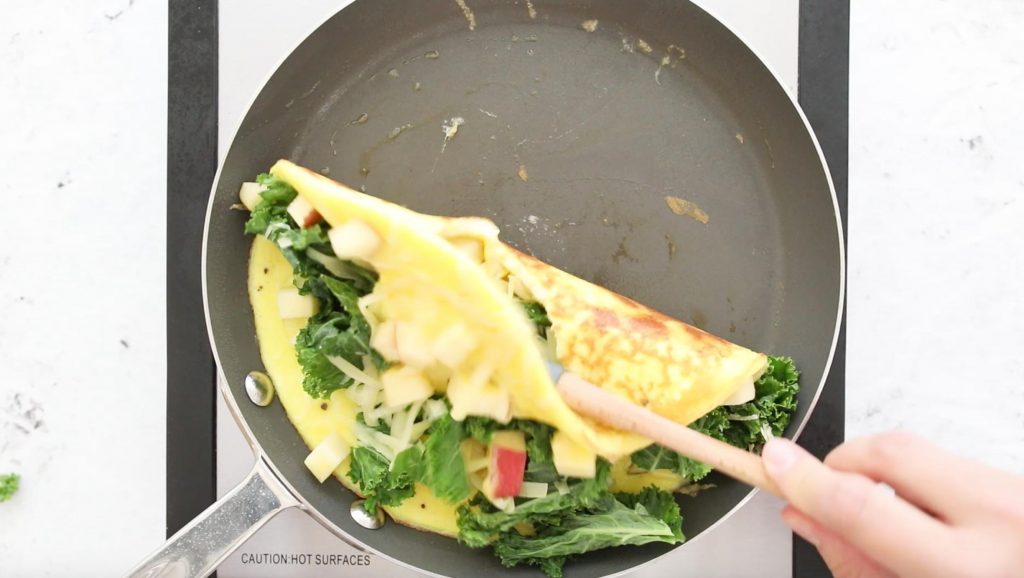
[260,388]
[364,518]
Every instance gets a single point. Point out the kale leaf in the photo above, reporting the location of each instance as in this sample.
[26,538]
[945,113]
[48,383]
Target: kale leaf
[9,484]
[480,523]
[618,525]
[536,312]
[444,471]
[382,483]
[547,531]
[740,425]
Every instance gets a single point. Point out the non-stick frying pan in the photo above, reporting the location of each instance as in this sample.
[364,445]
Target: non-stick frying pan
[571,141]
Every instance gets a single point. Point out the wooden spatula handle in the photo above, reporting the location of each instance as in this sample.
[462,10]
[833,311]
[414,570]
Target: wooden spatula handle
[618,412]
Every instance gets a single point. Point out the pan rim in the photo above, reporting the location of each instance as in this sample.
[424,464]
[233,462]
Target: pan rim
[232,403]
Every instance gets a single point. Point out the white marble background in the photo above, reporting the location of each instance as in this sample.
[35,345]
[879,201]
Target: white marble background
[934,284]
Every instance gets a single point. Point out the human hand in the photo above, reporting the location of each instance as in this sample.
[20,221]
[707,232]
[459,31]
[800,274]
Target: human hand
[949,516]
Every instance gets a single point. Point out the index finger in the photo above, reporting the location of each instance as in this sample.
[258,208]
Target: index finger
[925,474]
[864,513]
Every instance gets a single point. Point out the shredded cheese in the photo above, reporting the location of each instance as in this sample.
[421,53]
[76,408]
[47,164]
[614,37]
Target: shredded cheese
[357,375]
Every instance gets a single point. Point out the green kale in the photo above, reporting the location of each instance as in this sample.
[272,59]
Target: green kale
[618,525]
[540,463]
[444,471]
[773,406]
[368,469]
[274,206]
[658,457]
[537,314]
[480,523]
[588,517]
[9,484]
[335,334]
[481,428]
[382,483]
[658,503]
[740,425]
[339,329]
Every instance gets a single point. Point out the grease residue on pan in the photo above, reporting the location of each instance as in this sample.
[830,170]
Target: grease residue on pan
[613,148]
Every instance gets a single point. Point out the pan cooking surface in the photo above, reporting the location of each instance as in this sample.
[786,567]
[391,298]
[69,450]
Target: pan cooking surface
[571,143]
[570,140]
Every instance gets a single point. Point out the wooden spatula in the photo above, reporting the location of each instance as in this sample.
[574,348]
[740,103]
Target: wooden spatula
[617,412]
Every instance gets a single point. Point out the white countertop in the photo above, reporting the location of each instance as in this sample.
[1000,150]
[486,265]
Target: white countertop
[935,279]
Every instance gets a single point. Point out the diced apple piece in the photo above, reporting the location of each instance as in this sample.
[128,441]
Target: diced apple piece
[327,456]
[507,463]
[249,194]
[471,394]
[302,212]
[509,439]
[454,345]
[402,342]
[742,395]
[478,479]
[474,455]
[572,459]
[355,239]
[472,248]
[291,305]
[414,348]
[438,376]
[384,340]
[404,385]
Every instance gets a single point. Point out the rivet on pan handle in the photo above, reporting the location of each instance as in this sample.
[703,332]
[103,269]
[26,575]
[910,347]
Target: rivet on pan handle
[198,548]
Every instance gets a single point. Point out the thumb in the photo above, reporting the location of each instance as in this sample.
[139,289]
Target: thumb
[856,510]
[842,559]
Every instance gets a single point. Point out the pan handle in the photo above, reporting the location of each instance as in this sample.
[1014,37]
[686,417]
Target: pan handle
[197,549]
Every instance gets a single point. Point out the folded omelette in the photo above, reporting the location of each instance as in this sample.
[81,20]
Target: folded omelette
[410,353]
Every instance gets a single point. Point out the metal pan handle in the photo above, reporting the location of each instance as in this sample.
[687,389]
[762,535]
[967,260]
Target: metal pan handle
[197,549]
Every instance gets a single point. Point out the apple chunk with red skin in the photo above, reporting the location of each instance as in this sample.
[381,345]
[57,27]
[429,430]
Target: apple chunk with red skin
[303,213]
[507,464]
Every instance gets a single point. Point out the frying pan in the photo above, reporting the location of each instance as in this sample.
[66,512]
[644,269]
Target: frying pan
[571,141]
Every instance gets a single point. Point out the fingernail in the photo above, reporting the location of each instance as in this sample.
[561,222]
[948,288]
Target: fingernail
[779,456]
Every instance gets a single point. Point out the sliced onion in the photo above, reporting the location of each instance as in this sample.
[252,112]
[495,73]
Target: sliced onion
[552,351]
[362,395]
[507,505]
[533,490]
[399,429]
[435,409]
[332,264]
[419,428]
[364,303]
[382,443]
[402,430]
